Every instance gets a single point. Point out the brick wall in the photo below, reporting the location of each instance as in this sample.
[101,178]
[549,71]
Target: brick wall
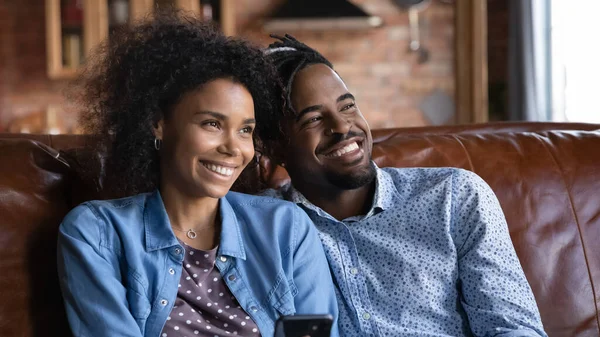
[498,18]
[388,82]
[24,87]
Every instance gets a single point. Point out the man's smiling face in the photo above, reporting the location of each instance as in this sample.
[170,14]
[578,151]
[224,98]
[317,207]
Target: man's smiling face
[330,142]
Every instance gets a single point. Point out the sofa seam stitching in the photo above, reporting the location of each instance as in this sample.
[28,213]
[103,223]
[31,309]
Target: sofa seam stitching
[455,137]
[583,245]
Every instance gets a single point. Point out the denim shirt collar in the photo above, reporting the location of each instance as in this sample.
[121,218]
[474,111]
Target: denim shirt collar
[160,235]
[231,238]
[384,198]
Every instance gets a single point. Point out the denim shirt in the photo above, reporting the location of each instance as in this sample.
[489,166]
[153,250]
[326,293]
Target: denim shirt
[120,263]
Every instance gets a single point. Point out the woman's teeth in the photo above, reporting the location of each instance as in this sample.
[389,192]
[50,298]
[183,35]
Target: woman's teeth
[344,150]
[226,171]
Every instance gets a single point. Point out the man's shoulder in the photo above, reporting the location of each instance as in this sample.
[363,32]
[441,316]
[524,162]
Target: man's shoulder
[422,176]
[417,174]
[419,179]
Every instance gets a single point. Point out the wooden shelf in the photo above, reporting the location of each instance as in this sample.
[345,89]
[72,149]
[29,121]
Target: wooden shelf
[71,27]
[95,27]
[64,73]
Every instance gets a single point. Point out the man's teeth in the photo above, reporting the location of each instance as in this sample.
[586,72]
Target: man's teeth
[226,171]
[344,150]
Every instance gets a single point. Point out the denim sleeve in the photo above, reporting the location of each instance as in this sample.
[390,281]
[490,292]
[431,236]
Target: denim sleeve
[494,291]
[90,279]
[312,277]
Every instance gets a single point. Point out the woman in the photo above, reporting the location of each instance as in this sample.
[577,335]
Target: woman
[178,103]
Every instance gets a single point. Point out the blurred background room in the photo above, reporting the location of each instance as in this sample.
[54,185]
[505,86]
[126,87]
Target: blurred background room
[408,62]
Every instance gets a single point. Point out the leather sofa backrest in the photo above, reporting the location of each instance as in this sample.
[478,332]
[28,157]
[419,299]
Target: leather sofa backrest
[548,183]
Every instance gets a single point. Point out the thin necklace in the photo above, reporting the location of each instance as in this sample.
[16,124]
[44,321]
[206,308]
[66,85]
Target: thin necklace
[190,233]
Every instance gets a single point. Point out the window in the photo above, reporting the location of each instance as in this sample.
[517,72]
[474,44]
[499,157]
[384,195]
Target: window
[575,60]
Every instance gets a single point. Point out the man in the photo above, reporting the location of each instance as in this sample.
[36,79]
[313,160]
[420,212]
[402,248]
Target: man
[413,251]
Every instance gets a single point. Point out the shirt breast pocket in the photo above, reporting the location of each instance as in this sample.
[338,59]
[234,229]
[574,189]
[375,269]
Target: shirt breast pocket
[282,296]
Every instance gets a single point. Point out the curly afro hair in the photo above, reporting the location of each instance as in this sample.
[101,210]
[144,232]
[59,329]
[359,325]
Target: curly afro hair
[142,71]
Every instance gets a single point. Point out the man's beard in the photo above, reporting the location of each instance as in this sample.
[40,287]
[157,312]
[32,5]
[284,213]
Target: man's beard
[354,180]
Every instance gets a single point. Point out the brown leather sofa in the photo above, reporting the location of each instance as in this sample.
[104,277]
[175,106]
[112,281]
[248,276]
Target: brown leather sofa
[548,182]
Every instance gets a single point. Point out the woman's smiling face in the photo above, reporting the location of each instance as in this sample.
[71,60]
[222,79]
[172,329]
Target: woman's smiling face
[207,139]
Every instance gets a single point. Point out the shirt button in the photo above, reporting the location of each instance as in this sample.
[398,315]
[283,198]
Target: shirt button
[171,271]
[366,316]
[254,309]
[231,277]
[177,251]
[223,259]
[163,302]
[354,271]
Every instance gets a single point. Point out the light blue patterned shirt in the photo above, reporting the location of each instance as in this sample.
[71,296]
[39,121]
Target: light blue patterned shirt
[432,257]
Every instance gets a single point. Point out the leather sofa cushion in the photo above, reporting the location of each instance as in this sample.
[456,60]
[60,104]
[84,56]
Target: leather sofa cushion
[34,197]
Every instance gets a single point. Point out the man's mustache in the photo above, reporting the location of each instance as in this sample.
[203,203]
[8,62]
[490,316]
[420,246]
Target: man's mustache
[338,138]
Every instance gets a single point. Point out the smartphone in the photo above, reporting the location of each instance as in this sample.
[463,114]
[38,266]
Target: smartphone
[304,325]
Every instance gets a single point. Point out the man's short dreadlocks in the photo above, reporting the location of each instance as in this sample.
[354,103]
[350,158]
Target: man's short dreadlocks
[289,57]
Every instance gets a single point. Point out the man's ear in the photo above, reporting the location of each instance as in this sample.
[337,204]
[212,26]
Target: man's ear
[280,150]
[278,153]
[159,129]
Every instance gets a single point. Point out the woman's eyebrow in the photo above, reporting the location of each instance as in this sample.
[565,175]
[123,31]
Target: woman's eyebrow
[216,115]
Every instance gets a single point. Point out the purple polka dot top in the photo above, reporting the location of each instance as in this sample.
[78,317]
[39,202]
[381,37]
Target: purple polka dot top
[204,305]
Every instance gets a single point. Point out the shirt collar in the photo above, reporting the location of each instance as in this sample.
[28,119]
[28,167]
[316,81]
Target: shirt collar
[157,226]
[231,238]
[159,234]
[384,198]
[386,195]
